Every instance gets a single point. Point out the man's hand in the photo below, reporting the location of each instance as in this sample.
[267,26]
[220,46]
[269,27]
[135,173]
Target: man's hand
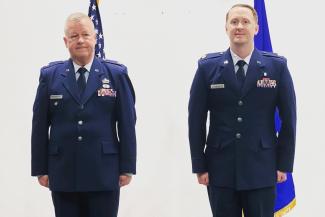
[44,180]
[281,176]
[124,180]
[203,178]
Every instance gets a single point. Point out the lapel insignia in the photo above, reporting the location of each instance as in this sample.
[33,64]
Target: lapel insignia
[96,70]
[258,62]
[225,62]
[67,70]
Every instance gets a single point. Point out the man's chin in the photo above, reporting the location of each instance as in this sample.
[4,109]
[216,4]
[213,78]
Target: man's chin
[239,42]
[82,58]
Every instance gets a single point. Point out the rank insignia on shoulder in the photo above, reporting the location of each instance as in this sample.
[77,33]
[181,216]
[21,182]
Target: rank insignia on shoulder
[113,62]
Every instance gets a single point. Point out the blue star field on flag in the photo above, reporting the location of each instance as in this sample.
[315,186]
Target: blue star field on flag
[93,13]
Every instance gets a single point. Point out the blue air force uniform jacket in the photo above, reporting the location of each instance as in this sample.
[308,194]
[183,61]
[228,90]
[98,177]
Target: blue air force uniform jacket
[241,149]
[84,143]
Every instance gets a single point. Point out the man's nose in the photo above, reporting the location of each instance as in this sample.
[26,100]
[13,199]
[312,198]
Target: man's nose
[80,39]
[240,25]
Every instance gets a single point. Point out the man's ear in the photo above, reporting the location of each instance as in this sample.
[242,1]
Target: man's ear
[257,28]
[65,39]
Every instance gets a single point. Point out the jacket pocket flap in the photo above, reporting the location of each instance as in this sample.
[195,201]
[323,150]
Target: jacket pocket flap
[219,144]
[110,147]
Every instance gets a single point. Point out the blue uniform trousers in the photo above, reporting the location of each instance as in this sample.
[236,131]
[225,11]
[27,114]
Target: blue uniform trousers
[86,204]
[228,202]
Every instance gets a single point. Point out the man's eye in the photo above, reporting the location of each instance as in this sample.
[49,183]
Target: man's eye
[86,35]
[234,22]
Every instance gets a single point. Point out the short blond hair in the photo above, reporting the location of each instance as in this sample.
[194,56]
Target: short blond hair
[244,6]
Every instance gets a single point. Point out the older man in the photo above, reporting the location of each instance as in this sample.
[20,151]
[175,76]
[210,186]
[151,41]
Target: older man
[83,131]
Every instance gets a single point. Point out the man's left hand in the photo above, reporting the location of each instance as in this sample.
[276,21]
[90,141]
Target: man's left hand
[124,180]
[281,176]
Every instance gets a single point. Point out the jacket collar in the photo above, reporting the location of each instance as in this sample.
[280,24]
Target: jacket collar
[253,73]
[93,82]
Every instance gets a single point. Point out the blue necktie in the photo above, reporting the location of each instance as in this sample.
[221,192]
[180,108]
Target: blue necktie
[81,80]
[240,74]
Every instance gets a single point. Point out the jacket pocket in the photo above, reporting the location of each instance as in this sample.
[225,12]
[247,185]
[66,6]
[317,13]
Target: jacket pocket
[110,147]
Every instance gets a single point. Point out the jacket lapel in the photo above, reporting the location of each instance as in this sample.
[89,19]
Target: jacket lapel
[69,81]
[227,71]
[94,81]
[253,72]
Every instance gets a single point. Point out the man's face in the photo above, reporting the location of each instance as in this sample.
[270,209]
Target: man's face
[80,39]
[241,26]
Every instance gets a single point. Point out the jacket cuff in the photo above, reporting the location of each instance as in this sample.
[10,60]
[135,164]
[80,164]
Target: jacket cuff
[199,166]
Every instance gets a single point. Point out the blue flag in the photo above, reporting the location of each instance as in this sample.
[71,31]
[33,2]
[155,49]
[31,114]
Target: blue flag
[93,13]
[286,198]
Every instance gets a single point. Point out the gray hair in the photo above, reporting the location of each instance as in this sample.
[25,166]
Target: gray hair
[76,18]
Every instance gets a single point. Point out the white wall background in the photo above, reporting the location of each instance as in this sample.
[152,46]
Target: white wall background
[160,42]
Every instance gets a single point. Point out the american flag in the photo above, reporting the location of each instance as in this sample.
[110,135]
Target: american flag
[93,13]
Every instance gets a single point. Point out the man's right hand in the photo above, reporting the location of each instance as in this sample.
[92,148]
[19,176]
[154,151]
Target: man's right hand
[44,180]
[203,178]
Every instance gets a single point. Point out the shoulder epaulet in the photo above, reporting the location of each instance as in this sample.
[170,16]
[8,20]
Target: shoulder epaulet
[112,62]
[270,54]
[212,55]
[53,64]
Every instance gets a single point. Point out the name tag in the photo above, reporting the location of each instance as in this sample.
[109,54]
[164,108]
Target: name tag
[217,86]
[56,96]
